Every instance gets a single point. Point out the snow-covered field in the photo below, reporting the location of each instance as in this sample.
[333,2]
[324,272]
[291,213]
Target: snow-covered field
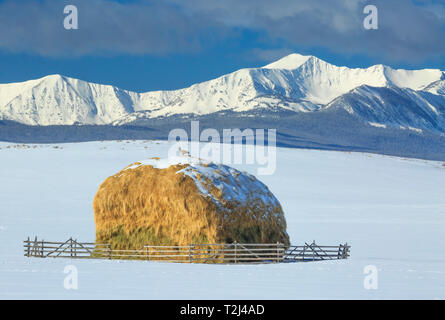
[391,210]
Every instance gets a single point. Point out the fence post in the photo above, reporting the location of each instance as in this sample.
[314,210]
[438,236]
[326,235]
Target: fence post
[42,250]
[148,252]
[345,251]
[35,247]
[304,250]
[28,248]
[190,254]
[313,250]
[109,251]
[277,251]
[236,258]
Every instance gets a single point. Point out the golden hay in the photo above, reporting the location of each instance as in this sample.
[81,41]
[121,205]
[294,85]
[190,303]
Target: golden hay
[143,205]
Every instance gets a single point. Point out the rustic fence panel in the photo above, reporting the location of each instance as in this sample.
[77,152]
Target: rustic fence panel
[194,253]
[315,252]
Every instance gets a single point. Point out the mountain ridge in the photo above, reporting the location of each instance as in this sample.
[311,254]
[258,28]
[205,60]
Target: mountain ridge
[296,83]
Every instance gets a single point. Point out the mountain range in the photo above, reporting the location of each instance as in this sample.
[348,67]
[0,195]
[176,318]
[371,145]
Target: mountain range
[379,94]
[295,87]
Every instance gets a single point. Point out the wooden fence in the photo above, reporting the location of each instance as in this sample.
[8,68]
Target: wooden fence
[195,253]
[315,252]
[68,249]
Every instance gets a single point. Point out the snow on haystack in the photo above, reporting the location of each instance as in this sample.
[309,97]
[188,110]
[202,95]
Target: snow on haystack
[158,203]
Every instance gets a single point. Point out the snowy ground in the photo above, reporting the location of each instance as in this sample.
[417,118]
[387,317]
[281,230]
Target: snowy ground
[391,210]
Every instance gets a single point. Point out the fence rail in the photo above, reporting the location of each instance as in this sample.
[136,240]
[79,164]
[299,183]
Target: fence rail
[315,252]
[194,253]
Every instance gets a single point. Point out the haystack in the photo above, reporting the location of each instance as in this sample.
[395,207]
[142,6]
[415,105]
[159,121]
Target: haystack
[154,203]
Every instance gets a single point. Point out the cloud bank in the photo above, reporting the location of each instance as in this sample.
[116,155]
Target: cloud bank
[408,30]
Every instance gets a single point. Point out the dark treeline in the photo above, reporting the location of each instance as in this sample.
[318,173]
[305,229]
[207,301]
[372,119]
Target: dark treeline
[322,130]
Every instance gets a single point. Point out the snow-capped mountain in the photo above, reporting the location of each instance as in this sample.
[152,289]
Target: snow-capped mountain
[55,100]
[437,87]
[379,95]
[395,107]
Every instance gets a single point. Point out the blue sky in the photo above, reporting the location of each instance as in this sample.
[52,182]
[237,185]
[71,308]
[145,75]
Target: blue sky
[145,45]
